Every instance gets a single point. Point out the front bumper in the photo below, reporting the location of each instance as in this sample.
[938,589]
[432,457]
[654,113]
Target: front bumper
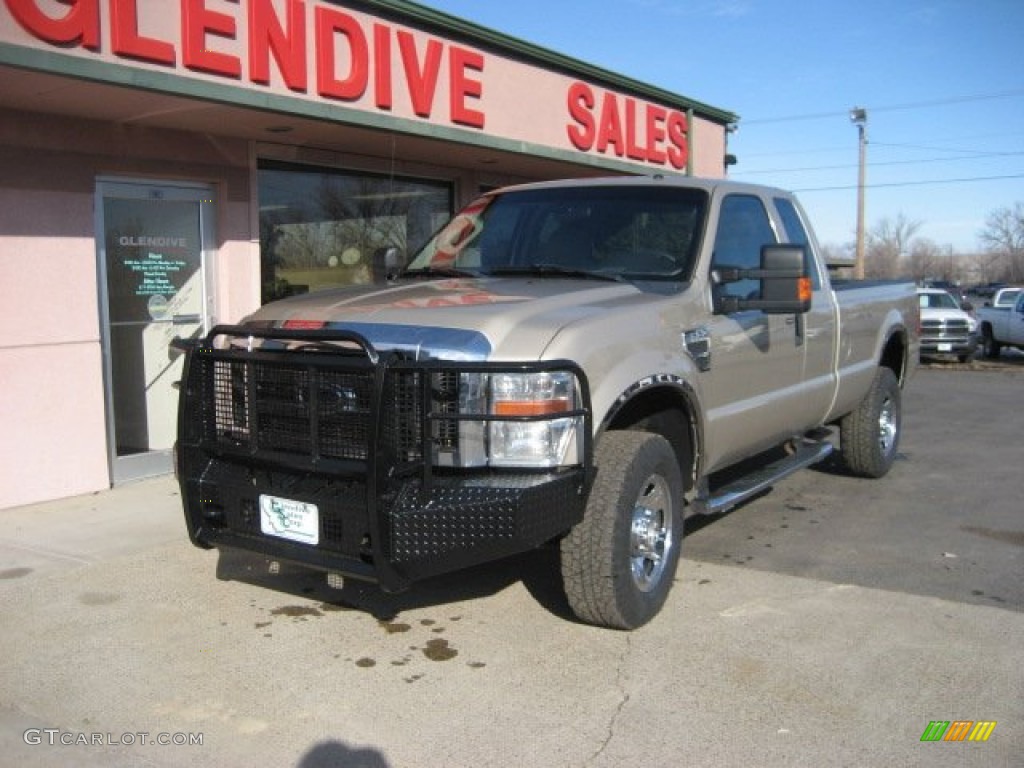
[356,436]
[949,345]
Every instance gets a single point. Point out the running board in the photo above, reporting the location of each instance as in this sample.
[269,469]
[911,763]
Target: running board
[748,486]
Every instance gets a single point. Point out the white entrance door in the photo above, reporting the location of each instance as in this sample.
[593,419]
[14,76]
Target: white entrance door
[154,242]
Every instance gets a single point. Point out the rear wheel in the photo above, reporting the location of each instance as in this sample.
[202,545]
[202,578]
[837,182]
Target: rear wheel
[619,562]
[870,435]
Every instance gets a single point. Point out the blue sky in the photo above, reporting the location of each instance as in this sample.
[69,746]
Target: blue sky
[942,80]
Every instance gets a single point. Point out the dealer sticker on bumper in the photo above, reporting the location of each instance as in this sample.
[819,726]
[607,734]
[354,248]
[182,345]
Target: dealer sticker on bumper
[287,519]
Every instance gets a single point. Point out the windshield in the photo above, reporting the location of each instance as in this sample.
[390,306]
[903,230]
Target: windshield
[617,232]
[937,300]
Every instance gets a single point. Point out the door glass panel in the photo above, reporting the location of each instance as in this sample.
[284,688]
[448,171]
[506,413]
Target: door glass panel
[152,272]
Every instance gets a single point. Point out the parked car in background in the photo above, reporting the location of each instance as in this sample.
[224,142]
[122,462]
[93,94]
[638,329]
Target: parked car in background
[946,329]
[1002,325]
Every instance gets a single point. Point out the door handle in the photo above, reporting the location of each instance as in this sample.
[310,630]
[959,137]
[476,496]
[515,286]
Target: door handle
[186,319]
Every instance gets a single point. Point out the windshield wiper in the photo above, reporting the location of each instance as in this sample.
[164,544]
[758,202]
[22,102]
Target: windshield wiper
[438,272]
[556,270]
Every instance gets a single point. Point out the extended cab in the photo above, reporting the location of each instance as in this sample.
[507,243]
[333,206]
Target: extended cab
[1002,323]
[573,362]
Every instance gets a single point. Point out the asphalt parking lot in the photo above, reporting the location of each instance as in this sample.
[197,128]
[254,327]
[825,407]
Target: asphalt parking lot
[827,623]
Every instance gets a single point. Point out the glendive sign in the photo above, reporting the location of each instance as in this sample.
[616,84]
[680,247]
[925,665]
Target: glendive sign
[318,49]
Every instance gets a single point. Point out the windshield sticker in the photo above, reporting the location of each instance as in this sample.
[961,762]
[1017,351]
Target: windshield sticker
[459,231]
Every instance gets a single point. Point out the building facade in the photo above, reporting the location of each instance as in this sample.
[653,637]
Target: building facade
[166,165]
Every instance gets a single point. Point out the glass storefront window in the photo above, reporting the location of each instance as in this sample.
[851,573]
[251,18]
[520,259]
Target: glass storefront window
[323,228]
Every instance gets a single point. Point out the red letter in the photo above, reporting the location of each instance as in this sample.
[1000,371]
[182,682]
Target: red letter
[328,23]
[633,150]
[581,101]
[382,62]
[289,48]
[611,127]
[655,134]
[126,40]
[678,140]
[461,87]
[196,22]
[422,82]
[80,23]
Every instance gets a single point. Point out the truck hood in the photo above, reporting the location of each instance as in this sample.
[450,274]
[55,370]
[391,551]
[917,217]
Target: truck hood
[945,315]
[455,319]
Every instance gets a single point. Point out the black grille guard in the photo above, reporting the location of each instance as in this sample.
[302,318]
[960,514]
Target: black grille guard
[248,362]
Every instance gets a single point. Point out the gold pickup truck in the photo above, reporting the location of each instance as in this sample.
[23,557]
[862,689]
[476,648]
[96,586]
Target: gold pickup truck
[580,363]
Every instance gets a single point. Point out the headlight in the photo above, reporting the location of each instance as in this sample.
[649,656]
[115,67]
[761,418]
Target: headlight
[534,421]
[542,433]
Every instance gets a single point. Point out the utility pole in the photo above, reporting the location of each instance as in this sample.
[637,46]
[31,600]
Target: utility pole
[859,117]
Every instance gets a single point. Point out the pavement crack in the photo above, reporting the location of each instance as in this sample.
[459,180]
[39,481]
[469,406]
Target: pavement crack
[623,701]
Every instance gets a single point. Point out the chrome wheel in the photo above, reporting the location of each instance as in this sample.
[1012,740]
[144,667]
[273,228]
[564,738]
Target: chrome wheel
[888,427]
[619,562]
[869,435]
[651,534]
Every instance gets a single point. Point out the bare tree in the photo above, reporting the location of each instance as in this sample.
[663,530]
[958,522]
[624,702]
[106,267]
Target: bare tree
[888,242]
[927,260]
[1003,237]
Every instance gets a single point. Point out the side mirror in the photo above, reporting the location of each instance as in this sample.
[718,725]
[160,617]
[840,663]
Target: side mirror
[386,262]
[784,279]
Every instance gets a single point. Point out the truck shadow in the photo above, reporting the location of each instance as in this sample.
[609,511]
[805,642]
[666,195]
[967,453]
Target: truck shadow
[537,571]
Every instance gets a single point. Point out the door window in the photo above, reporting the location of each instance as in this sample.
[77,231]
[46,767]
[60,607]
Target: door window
[743,227]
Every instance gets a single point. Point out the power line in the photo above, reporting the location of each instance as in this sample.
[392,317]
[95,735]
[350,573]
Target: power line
[913,183]
[846,147]
[971,152]
[923,161]
[890,108]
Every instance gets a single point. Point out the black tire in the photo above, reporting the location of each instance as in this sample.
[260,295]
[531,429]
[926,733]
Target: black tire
[989,346]
[619,563]
[869,436]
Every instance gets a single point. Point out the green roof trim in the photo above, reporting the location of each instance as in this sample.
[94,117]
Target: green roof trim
[520,49]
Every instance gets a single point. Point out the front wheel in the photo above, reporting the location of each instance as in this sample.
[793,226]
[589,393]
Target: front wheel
[870,435]
[989,346]
[619,562]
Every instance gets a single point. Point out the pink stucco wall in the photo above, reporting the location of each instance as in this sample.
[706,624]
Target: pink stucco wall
[708,142]
[52,413]
[52,440]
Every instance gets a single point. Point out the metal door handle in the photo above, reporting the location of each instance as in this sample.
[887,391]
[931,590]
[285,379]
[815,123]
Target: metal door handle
[185,319]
